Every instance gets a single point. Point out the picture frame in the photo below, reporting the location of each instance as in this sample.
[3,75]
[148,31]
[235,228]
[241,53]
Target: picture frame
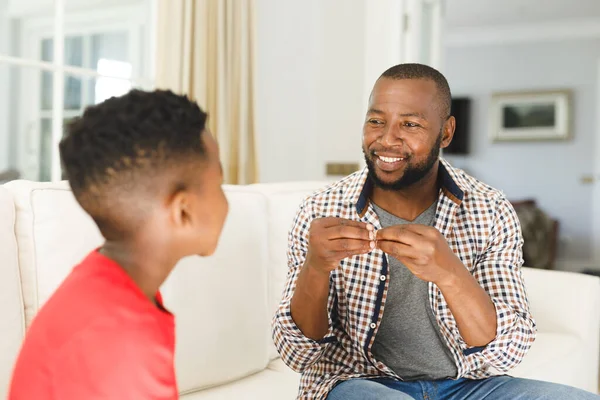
[531,116]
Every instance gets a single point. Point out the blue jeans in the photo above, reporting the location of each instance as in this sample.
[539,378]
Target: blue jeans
[494,388]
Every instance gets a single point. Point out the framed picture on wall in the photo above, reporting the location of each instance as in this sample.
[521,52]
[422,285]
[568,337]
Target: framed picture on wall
[530,116]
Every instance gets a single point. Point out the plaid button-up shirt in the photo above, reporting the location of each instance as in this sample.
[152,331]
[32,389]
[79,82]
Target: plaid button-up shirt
[480,226]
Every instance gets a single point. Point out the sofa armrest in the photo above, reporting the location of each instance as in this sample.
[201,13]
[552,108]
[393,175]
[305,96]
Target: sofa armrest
[565,302]
[566,307]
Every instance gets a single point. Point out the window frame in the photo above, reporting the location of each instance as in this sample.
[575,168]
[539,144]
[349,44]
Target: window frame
[140,26]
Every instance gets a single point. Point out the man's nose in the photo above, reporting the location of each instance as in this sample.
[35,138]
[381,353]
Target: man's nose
[392,135]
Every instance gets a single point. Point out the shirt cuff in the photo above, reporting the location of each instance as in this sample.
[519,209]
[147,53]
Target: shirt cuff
[295,335]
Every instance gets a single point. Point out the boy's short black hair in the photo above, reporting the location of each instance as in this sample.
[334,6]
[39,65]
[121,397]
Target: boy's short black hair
[121,153]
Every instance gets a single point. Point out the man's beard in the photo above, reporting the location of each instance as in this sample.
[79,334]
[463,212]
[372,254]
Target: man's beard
[412,173]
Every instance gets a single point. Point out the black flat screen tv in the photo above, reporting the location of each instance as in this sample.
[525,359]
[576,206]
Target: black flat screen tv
[461,107]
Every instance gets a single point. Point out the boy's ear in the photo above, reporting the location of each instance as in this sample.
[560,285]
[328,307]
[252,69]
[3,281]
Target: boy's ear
[179,207]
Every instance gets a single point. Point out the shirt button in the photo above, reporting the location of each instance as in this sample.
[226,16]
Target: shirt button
[382,278]
[373,325]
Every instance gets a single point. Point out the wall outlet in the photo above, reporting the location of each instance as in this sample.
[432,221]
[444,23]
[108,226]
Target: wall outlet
[340,169]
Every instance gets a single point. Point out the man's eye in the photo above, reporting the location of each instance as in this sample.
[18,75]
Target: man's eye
[411,125]
[375,122]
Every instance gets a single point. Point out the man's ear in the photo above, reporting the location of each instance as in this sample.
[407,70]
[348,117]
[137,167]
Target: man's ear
[448,132]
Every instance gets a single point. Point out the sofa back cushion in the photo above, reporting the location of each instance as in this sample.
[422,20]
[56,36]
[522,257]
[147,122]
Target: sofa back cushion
[284,200]
[12,327]
[220,302]
[54,235]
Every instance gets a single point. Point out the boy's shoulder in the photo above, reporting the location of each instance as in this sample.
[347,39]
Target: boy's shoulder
[95,293]
[100,354]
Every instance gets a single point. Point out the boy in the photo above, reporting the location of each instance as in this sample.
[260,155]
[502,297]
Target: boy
[147,171]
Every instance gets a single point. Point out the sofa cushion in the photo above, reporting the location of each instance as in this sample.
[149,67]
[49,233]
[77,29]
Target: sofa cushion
[283,203]
[12,327]
[568,294]
[553,357]
[220,302]
[54,234]
[574,297]
[276,382]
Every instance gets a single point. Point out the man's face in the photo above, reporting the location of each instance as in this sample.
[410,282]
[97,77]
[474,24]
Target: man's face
[403,132]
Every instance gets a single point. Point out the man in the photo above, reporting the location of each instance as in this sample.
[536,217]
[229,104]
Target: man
[404,278]
[146,170]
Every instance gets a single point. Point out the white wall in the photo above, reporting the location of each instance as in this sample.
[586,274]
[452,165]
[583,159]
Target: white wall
[596,196]
[25,7]
[340,100]
[547,172]
[287,41]
[310,85]
[4,82]
[21,8]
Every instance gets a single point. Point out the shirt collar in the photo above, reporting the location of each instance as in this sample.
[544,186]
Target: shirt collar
[454,185]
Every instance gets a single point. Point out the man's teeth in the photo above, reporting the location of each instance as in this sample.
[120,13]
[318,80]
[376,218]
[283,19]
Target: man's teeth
[390,159]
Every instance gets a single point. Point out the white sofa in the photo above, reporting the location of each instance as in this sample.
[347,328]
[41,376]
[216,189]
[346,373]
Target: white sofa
[224,304]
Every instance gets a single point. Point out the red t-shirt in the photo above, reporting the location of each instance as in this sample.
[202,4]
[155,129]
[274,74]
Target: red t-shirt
[97,337]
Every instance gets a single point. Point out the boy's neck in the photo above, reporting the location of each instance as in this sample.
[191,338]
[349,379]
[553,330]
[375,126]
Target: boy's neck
[146,268]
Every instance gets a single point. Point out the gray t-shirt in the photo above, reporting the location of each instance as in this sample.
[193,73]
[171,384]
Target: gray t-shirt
[409,340]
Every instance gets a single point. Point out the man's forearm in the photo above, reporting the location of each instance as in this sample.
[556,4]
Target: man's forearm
[309,303]
[471,306]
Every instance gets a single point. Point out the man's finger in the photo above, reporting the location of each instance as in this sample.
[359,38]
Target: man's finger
[424,230]
[349,232]
[353,246]
[328,222]
[399,234]
[397,250]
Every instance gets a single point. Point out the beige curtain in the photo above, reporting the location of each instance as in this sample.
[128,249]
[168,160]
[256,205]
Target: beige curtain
[205,49]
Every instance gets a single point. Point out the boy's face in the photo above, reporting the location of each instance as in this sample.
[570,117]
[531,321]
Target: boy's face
[213,206]
[197,214]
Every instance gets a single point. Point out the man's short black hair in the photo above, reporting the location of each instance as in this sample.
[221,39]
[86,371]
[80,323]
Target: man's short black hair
[126,149]
[421,71]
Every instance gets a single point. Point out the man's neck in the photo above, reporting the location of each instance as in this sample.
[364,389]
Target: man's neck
[410,202]
[147,269]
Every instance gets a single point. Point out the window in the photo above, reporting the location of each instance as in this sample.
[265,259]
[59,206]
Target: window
[105,47]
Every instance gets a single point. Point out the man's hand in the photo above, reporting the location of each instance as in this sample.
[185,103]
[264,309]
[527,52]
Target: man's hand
[425,252]
[330,240]
[422,249]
